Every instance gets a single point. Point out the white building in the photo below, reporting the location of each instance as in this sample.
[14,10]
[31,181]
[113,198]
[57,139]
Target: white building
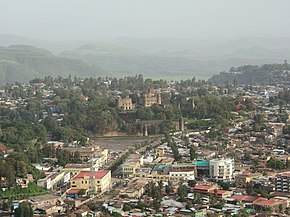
[282,182]
[221,168]
[187,175]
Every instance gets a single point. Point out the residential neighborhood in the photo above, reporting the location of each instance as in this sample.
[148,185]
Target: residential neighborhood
[235,163]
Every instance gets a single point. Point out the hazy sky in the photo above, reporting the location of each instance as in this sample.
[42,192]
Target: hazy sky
[99,19]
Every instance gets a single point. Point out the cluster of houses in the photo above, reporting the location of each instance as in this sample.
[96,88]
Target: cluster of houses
[232,172]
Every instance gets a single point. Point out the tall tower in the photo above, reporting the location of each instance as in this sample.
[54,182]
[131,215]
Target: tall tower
[158,98]
[145,130]
[181,124]
[145,100]
[119,104]
[192,104]
[92,178]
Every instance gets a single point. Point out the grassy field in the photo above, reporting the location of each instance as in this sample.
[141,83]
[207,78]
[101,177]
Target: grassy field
[119,143]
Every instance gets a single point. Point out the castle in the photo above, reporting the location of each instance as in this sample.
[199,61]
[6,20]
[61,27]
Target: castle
[147,99]
[150,98]
[125,103]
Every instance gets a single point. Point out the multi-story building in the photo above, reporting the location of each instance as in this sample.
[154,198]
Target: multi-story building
[159,151]
[130,166]
[202,168]
[211,190]
[221,168]
[88,152]
[187,175]
[101,179]
[282,182]
[183,167]
[54,180]
[243,179]
[150,98]
[125,103]
[74,169]
[183,171]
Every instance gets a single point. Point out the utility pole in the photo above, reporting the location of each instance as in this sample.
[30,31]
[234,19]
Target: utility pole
[92,189]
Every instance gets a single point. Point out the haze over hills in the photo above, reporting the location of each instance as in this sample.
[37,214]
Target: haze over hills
[152,57]
[53,46]
[23,63]
[181,57]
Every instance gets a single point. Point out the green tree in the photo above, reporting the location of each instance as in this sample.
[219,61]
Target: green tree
[191,183]
[168,189]
[156,205]
[82,192]
[116,214]
[280,208]
[6,205]
[126,208]
[250,189]
[225,185]
[188,204]
[24,210]
[182,192]
[197,197]
[77,157]
[193,154]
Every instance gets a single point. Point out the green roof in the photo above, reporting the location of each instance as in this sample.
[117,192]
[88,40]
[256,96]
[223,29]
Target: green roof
[201,163]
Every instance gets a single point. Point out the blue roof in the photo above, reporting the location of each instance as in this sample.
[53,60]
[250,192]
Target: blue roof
[201,163]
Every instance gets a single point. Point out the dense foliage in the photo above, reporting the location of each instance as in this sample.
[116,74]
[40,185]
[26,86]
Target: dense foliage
[253,74]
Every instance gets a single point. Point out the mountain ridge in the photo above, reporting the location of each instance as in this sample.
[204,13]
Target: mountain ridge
[23,63]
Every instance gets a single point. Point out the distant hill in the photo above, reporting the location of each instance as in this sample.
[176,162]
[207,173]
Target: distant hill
[180,58]
[254,74]
[54,46]
[121,60]
[172,59]
[22,63]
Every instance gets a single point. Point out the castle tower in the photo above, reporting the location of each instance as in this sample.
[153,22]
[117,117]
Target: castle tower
[181,124]
[145,102]
[192,104]
[145,130]
[119,104]
[158,98]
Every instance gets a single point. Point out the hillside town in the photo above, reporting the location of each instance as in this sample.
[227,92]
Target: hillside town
[137,147]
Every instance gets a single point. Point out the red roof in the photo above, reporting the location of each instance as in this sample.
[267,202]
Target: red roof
[240,106]
[2,147]
[73,191]
[283,156]
[265,202]
[245,198]
[247,172]
[285,174]
[204,187]
[97,174]
[221,192]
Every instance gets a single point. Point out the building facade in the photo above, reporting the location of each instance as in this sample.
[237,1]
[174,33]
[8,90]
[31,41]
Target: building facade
[101,179]
[282,182]
[150,98]
[242,180]
[221,168]
[125,103]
